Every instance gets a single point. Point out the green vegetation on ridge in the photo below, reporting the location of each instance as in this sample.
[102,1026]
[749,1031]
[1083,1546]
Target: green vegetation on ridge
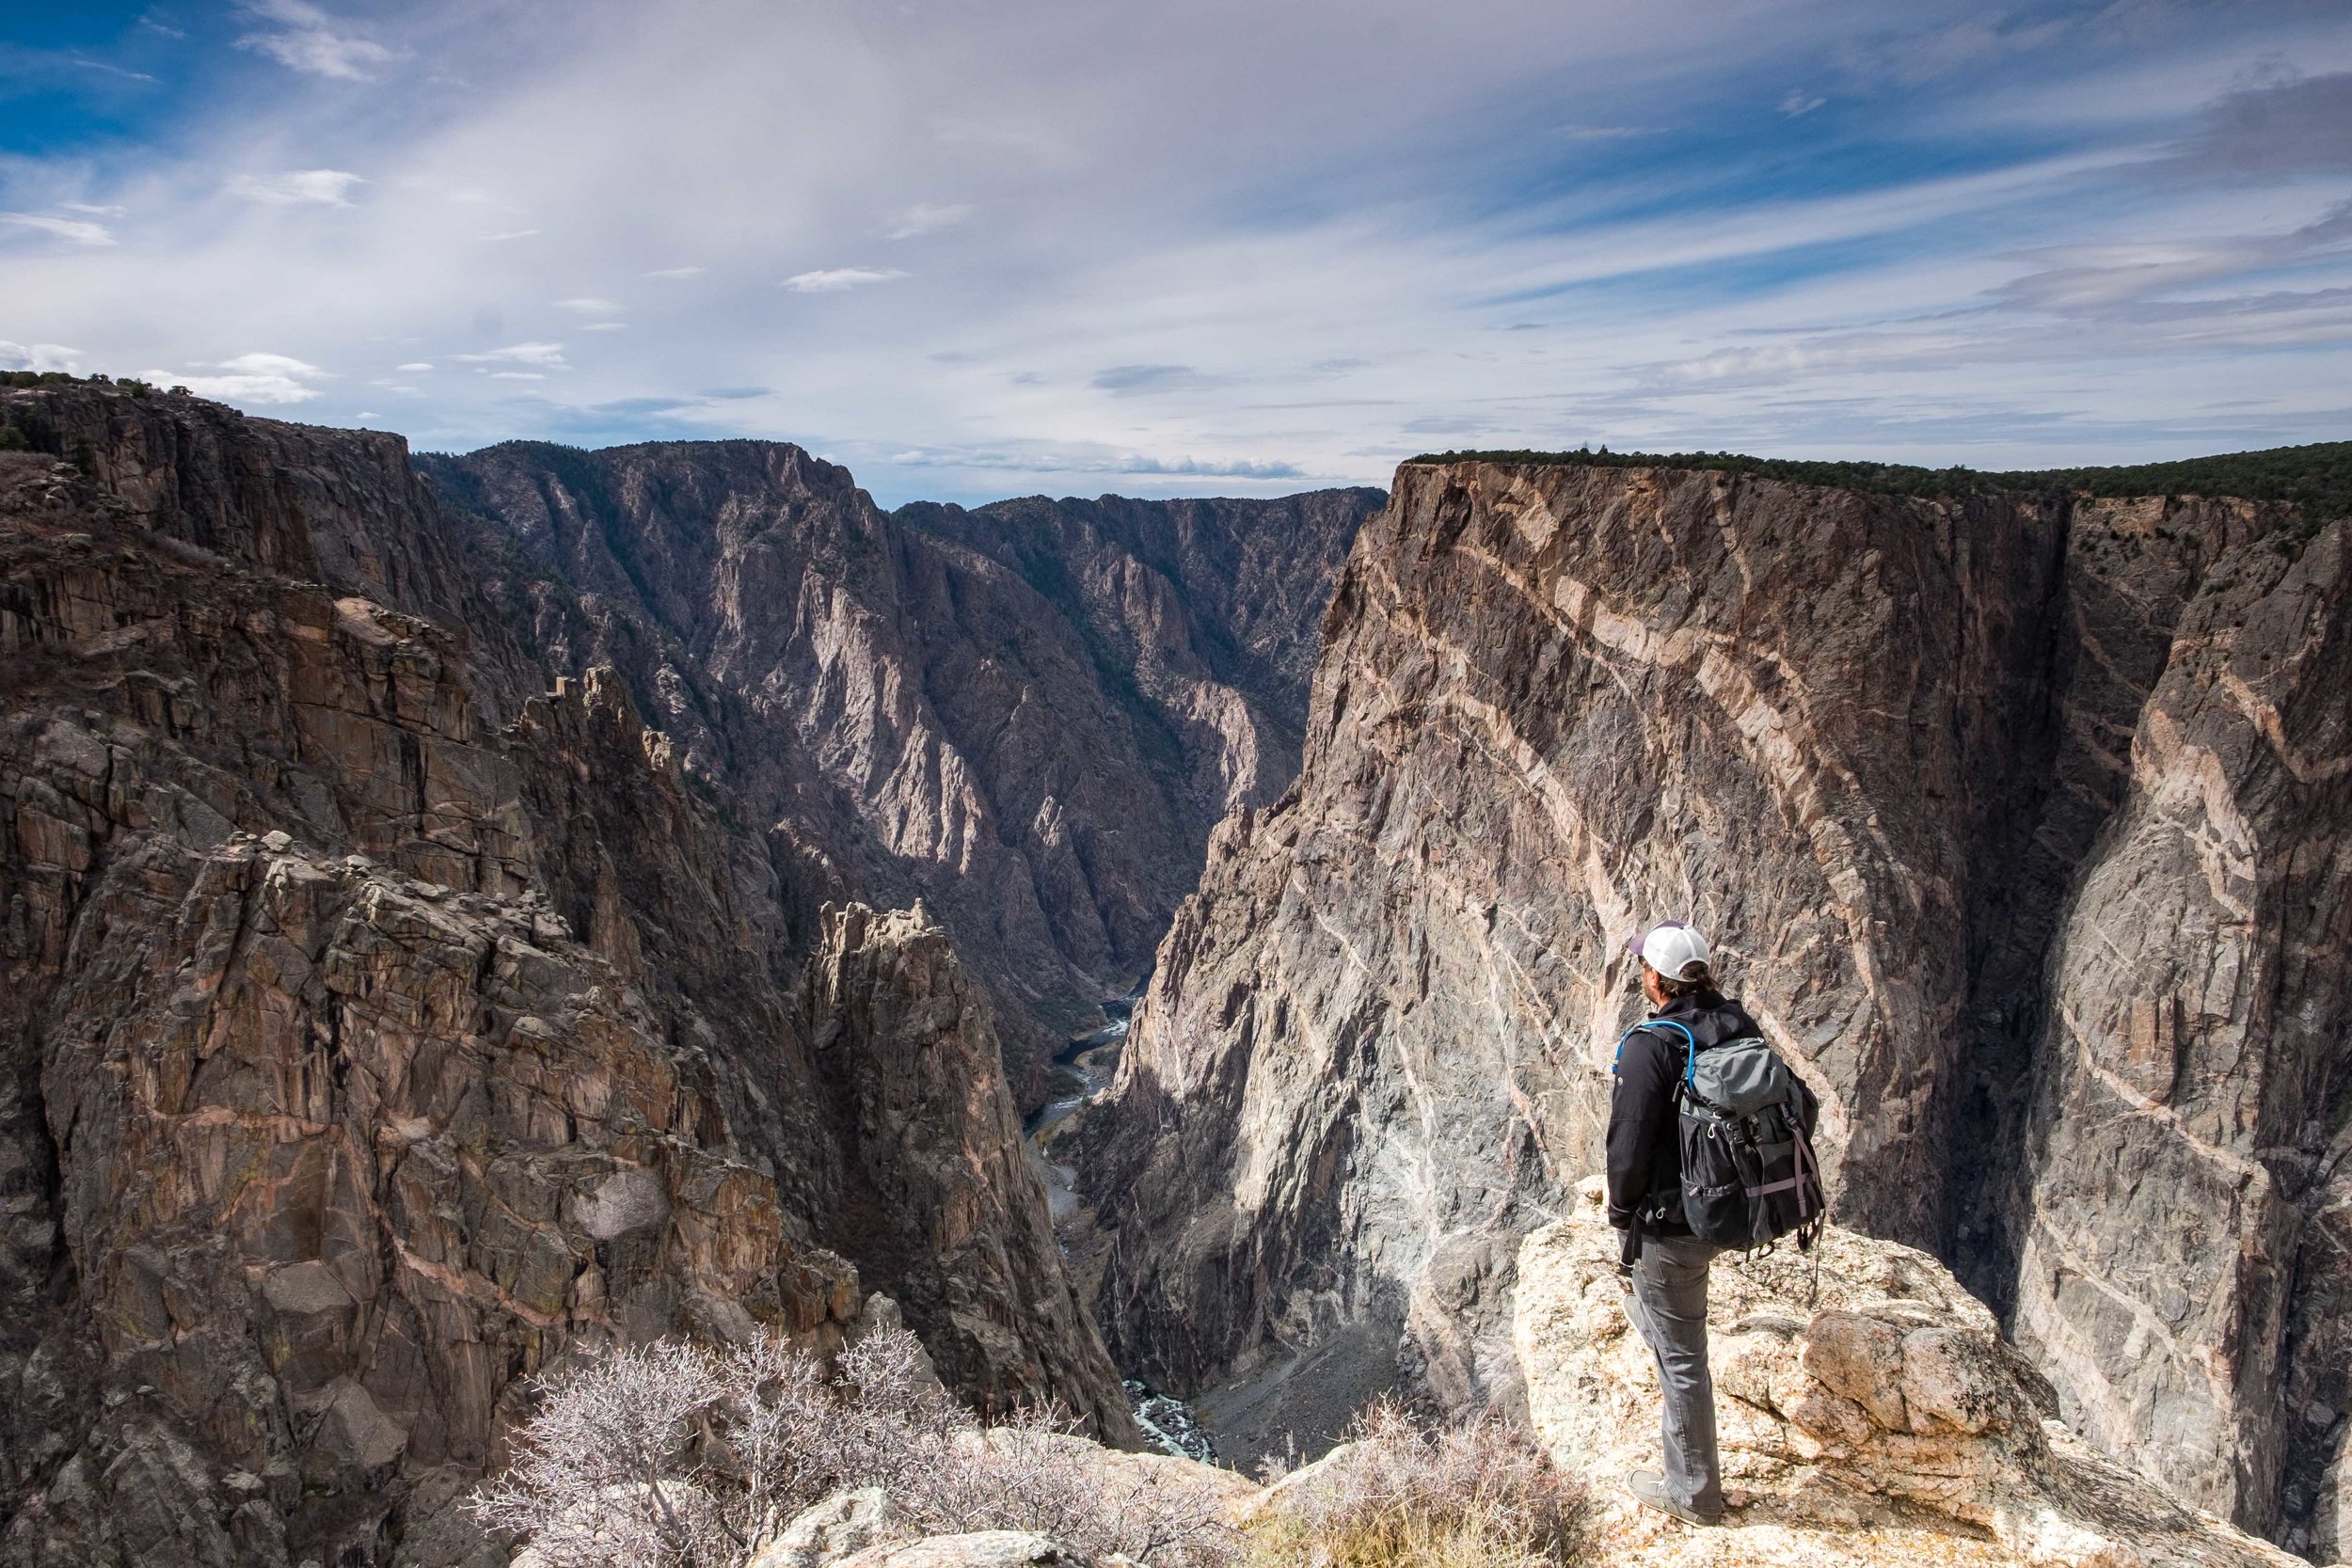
[2318,478]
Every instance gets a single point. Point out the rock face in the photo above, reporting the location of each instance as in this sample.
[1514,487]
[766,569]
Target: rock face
[938,1202]
[1028,715]
[1868,1411]
[2185,1229]
[1914,763]
[378,1028]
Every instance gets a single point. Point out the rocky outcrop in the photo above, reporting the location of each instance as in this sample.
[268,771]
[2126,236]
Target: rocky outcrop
[379,1028]
[1868,1412]
[938,1202]
[1884,748]
[1028,715]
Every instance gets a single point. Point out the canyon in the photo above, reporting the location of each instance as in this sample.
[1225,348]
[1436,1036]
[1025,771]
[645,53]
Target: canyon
[391,1014]
[462,912]
[1028,715]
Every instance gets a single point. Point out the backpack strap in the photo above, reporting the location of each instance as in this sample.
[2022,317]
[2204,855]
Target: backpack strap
[1689,1039]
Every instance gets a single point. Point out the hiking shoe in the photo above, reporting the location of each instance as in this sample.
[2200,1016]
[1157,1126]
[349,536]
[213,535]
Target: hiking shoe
[1649,1488]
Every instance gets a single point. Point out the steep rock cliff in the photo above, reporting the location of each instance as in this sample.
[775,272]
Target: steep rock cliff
[1029,716]
[1877,746]
[939,1203]
[378,1028]
[2186,1222]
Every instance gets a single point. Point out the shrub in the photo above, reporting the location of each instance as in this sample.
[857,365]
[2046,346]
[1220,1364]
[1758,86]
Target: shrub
[1484,1495]
[12,440]
[676,1456]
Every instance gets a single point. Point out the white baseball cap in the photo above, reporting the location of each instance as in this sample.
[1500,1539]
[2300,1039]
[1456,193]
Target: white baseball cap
[1669,947]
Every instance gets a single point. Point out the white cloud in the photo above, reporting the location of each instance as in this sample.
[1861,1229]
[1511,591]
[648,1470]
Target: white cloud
[414,367]
[515,375]
[265,378]
[40,356]
[327,187]
[832,279]
[301,37]
[1380,225]
[79,230]
[1800,101]
[588,306]
[1088,461]
[924,218]
[113,210]
[550,355]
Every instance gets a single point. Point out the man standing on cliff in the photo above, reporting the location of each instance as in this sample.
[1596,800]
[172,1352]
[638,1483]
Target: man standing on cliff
[1667,1265]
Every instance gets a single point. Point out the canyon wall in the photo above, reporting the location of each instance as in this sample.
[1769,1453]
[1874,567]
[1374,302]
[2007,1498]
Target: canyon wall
[1916,764]
[380,1028]
[1030,715]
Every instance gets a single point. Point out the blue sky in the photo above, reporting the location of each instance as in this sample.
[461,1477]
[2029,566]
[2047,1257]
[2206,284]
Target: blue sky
[983,247]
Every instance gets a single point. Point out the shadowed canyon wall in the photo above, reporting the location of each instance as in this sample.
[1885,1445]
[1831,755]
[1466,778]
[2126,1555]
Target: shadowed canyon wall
[380,1028]
[1029,715]
[2019,822]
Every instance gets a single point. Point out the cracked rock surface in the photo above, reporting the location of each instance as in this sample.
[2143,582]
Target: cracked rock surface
[1868,1411]
[379,1027]
[2018,821]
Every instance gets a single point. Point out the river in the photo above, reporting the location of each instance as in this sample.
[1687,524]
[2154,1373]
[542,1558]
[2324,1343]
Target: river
[1168,1424]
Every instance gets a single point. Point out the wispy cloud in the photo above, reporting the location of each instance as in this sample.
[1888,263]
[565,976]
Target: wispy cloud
[264,378]
[302,37]
[100,65]
[924,218]
[551,355]
[833,279]
[1966,235]
[325,187]
[40,356]
[1047,460]
[77,231]
[2280,129]
[1130,379]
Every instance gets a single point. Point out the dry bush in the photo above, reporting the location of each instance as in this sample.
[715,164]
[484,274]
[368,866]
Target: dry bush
[1484,1495]
[603,1473]
[675,1456]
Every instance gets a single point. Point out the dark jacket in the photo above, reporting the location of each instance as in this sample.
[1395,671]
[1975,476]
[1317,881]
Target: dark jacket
[1645,1139]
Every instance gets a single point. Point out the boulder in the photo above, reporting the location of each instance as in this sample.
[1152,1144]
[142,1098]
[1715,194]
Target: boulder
[1869,1411]
[844,1523]
[993,1548]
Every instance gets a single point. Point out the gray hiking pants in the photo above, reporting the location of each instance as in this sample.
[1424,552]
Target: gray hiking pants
[1669,1308]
